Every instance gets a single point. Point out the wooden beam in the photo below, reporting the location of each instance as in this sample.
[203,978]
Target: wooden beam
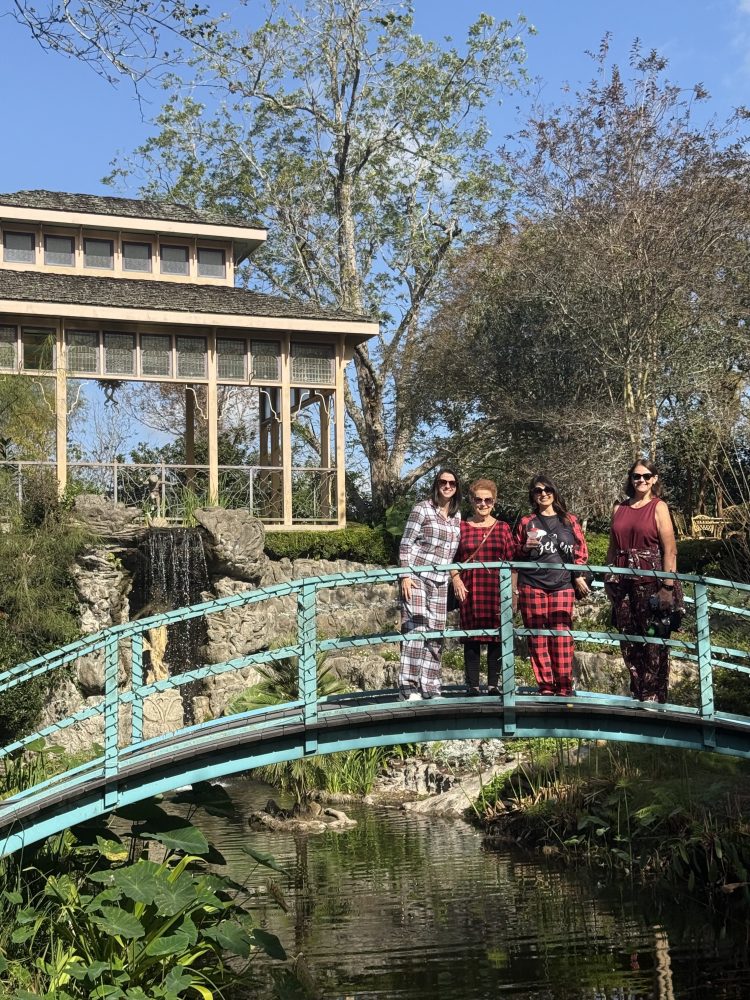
[339,428]
[190,431]
[212,410]
[286,426]
[61,409]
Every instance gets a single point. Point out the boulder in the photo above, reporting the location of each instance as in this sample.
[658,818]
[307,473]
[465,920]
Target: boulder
[234,546]
[102,586]
[602,672]
[113,522]
[363,671]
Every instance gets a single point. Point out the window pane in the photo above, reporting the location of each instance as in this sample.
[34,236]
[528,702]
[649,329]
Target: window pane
[211,263]
[38,349]
[136,256]
[59,250]
[230,358]
[98,253]
[266,357]
[119,353]
[18,248]
[191,357]
[83,351]
[156,355]
[8,347]
[313,363]
[174,260]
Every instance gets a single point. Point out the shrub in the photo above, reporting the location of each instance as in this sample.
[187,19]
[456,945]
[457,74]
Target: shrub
[725,558]
[358,544]
[598,543]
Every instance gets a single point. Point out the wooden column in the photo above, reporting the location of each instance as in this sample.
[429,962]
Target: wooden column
[61,409]
[190,432]
[328,488]
[212,411]
[286,427]
[339,416]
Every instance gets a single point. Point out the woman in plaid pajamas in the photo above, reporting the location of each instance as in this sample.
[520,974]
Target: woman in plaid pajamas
[550,535]
[483,539]
[430,537]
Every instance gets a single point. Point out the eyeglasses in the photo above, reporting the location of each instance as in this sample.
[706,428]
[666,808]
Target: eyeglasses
[543,491]
[645,476]
[449,484]
[482,501]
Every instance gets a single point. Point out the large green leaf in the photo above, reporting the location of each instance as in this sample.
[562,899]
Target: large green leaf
[213,798]
[230,936]
[174,832]
[267,860]
[173,896]
[138,881]
[269,943]
[178,980]
[107,993]
[174,944]
[118,923]
[188,927]
[95,970]
[3,964]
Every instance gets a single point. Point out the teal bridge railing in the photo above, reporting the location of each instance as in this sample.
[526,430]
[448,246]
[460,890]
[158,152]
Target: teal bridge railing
[128,767]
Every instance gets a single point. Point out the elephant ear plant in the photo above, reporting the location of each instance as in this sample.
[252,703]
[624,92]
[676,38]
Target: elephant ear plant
[139,916]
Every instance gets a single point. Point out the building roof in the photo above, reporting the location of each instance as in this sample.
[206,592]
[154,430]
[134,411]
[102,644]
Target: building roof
[167,296]
[95,204]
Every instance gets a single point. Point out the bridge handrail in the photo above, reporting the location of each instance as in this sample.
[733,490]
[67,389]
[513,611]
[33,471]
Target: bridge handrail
[46,662]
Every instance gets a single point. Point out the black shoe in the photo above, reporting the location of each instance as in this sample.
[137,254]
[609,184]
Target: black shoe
[494,691]
[473,692]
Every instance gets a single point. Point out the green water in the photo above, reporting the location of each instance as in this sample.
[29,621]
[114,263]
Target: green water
[408,907]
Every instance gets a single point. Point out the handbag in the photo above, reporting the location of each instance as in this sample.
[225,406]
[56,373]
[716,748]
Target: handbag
[453,601]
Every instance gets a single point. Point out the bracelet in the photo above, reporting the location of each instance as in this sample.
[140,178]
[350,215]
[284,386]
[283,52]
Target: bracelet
[515,593]
[667,586]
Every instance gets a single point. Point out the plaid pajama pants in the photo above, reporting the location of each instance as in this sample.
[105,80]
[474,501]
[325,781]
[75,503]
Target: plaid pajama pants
[551,657]
[420,659]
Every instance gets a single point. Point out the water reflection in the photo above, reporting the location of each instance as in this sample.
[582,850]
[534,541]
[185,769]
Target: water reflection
[408,907]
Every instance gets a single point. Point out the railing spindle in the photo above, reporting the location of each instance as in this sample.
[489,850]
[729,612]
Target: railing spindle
[136,673]
[111,721]
[308,667]
[705,670]
[507,649]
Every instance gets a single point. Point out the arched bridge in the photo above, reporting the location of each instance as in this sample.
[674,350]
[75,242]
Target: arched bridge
[129,766]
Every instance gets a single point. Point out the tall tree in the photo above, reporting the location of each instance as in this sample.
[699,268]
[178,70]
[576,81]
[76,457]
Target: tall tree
[617,302]
[364,149]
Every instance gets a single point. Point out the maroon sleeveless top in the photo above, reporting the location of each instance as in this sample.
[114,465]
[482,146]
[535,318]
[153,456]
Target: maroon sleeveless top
[635,527]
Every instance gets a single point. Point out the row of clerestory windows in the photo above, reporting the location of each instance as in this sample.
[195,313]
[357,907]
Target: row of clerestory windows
[60,251]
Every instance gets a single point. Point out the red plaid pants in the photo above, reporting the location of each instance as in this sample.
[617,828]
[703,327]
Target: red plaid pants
[551,656]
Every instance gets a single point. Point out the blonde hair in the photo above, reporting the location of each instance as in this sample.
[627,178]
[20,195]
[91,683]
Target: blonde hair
[484,484]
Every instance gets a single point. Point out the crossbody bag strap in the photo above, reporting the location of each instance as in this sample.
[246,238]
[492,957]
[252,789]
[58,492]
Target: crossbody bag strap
[471,557]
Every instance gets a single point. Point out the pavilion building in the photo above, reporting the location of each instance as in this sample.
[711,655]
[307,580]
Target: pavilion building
[120,291]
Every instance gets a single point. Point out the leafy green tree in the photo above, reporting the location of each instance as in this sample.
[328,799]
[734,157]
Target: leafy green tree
[364,149]
[615,304]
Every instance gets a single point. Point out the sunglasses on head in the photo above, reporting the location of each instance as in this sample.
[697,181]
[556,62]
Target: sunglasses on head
[635,476]
[447,482]
[482,501]
[540,491]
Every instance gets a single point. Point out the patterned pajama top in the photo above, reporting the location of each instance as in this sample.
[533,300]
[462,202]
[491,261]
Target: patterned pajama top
[429,538]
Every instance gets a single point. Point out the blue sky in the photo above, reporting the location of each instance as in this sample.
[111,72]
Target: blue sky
[62,125]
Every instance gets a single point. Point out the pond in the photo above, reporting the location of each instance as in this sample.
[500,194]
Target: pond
[404,906]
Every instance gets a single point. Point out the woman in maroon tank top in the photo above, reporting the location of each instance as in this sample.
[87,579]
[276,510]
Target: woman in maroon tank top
[642,537]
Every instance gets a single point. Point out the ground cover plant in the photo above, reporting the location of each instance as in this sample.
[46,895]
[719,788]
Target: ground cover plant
[140,915]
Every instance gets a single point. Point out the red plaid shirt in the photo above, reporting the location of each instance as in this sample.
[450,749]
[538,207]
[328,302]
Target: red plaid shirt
[481,609]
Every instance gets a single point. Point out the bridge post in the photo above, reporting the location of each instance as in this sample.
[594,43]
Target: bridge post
[111,721]
[136,682]
[507,651]
[308,666]
[705,670]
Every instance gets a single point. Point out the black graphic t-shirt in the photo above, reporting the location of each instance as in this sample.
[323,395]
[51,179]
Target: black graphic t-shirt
[555,546]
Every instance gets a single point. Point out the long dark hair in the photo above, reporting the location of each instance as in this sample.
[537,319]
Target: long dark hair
[629,489]
[558,504]
[435,492]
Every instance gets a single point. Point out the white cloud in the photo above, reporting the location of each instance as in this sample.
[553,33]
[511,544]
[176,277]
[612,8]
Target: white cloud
[744,6]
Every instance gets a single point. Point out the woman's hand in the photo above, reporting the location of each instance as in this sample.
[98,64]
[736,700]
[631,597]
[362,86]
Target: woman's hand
[459,589]
[666,598]
[580,586]
[406,584]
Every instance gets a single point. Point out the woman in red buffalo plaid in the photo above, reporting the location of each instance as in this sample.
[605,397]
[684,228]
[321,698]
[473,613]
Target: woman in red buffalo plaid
[483,539]
[549,536]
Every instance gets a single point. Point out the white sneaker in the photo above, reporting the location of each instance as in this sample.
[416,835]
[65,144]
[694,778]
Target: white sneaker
[414,696]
